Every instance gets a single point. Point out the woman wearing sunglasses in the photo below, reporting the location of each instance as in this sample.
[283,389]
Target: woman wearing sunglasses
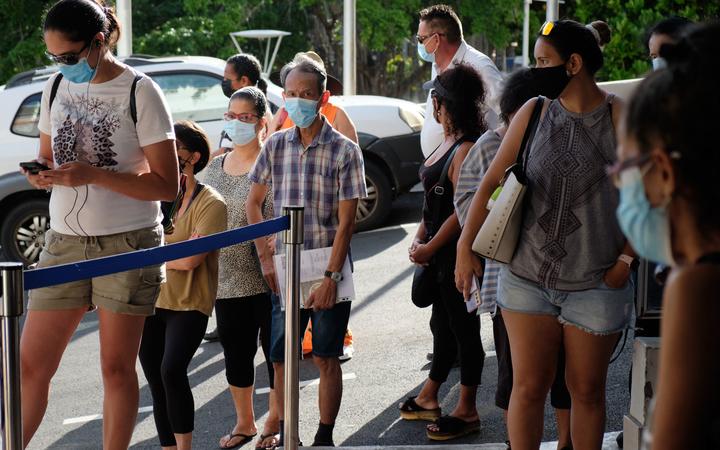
[243,308]
[568,281]
[108,174]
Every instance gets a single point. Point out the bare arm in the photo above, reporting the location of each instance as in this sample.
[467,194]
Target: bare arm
[160,182]
[275,123]
[467,263]
[345,126]
[45,156]
[688,371]
[253,209]
[189,262]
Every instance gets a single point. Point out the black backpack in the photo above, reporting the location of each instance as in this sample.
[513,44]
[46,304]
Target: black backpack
[133,103]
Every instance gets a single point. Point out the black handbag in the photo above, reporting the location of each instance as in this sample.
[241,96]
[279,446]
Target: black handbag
[425,284]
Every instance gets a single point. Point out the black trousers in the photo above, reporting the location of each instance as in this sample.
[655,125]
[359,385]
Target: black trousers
[170,339]
[239,322]
[456,333]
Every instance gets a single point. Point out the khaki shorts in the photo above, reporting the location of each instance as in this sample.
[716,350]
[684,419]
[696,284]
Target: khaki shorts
[132,292]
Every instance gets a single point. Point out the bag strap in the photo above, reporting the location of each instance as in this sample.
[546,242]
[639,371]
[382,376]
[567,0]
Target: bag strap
[530,133]
[439,188]
[133,101]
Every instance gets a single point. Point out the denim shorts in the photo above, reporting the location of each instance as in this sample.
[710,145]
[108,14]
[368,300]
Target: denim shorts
[601,310]
[328,330]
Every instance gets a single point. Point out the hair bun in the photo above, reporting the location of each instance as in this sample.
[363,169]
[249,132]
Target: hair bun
[602,31]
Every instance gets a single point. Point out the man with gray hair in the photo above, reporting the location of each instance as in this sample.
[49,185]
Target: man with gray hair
[314,166]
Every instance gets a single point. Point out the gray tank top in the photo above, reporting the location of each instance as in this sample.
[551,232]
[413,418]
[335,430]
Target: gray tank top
[570,235]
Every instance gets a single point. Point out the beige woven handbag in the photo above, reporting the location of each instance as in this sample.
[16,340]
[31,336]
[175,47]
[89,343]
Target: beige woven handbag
[498,235]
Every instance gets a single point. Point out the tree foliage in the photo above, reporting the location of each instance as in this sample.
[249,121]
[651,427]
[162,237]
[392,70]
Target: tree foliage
[387,57]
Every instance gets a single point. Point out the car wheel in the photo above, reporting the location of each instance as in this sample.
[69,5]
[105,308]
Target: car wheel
[23,232]
[373,210]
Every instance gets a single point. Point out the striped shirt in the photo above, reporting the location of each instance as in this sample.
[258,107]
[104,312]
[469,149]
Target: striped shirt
[318,177]
[472,170]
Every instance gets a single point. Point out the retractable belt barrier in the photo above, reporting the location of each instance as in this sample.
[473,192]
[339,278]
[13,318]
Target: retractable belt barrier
[15,282]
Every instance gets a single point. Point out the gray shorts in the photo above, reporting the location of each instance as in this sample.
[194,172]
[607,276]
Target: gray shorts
[600,311]
[132,292]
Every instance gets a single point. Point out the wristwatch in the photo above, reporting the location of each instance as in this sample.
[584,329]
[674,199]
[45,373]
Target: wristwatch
[335,276]
[632,263]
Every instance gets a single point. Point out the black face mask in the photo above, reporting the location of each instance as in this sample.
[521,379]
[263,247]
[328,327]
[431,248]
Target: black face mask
[551,81]
[227,88]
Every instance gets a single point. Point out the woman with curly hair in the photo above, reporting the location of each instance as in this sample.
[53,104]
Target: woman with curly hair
[457,96]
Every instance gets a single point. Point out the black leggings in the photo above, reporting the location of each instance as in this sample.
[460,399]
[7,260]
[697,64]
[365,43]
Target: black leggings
[239,320]
[170,339]
[456,333]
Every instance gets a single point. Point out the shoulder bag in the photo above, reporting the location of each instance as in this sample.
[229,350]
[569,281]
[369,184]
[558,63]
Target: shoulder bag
[498,235]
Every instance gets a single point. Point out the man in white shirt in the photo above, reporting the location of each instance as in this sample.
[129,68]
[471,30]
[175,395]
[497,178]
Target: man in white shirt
[440,41]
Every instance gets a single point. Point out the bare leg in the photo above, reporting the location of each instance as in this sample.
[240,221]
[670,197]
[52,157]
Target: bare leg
[331,387]
[534,344]
[184,441]
[428,396]
[466,408]
[45,336]
[279,389]
[245,412]
[563,426]
[119,344]
[588,356]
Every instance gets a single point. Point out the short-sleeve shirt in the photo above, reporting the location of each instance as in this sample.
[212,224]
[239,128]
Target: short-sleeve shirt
[318,177]
[240,273]
[91,123]
[432,133]
[194,290]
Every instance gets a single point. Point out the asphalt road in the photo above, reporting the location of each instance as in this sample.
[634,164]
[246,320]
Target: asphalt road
[392,339]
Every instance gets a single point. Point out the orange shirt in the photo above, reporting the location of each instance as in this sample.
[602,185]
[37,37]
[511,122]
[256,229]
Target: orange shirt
[328,110]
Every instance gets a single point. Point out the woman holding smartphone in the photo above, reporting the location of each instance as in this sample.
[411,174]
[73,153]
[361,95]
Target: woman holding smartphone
[110,165]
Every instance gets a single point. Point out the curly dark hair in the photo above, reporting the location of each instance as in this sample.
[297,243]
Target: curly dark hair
[190,135]
[676,109]
[463,98]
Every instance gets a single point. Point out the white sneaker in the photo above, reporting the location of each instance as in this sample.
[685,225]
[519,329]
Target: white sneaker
[348,351]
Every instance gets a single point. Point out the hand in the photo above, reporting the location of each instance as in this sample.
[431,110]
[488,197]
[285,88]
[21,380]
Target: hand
[324,297]
[617,276]
[267,265]
[71,174]
[412,248]
[421,254]
[270,244]
[36,180]
[467,265]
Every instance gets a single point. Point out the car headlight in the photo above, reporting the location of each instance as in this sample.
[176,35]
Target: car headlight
[413,117]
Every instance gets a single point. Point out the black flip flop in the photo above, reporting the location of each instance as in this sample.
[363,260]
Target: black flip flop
[265,436]
[410,410]
[245,439]
[452,428]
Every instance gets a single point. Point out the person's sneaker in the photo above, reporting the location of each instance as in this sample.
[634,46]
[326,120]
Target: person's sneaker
[348,349]
[212,336]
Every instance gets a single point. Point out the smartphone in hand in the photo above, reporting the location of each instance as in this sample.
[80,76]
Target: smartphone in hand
[33,167]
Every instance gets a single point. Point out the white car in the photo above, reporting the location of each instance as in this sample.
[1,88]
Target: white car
[388,129]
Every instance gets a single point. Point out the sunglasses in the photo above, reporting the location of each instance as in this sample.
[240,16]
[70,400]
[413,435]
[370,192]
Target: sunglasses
[244,117]
[67,59]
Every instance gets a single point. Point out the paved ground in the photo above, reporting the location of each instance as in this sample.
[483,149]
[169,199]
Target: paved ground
[392,339]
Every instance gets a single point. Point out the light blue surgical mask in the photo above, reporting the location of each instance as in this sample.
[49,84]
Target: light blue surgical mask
[81,72]
[646,227]
[301,111]
[424,54]
[659,63]
[240,133]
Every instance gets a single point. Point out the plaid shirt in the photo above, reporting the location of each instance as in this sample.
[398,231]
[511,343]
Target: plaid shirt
[331,169]
[473,168]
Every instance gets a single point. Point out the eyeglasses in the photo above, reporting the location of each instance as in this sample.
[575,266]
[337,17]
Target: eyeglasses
[642,161]
[421,39]
[243,117]
[68,59]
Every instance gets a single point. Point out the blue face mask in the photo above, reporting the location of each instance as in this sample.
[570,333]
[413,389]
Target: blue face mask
[646,227]
[81,72]
[424,54]
[240,132]
[659,63]
[301,111]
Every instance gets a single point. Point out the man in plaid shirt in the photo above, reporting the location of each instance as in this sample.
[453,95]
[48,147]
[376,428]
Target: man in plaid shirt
[315,166]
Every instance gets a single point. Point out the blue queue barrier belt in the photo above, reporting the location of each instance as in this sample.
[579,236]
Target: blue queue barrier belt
[83,270]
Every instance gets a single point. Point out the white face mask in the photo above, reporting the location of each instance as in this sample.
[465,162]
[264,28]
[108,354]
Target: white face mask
[659,63]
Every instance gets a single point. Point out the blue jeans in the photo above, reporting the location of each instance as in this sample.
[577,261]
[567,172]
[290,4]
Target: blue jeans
[600,311]
[328,330]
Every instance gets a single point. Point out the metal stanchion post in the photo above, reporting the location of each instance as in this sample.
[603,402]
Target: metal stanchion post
[293,240]
[11,308]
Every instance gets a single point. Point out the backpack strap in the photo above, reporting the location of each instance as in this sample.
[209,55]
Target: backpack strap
[54,88]
[133,101]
